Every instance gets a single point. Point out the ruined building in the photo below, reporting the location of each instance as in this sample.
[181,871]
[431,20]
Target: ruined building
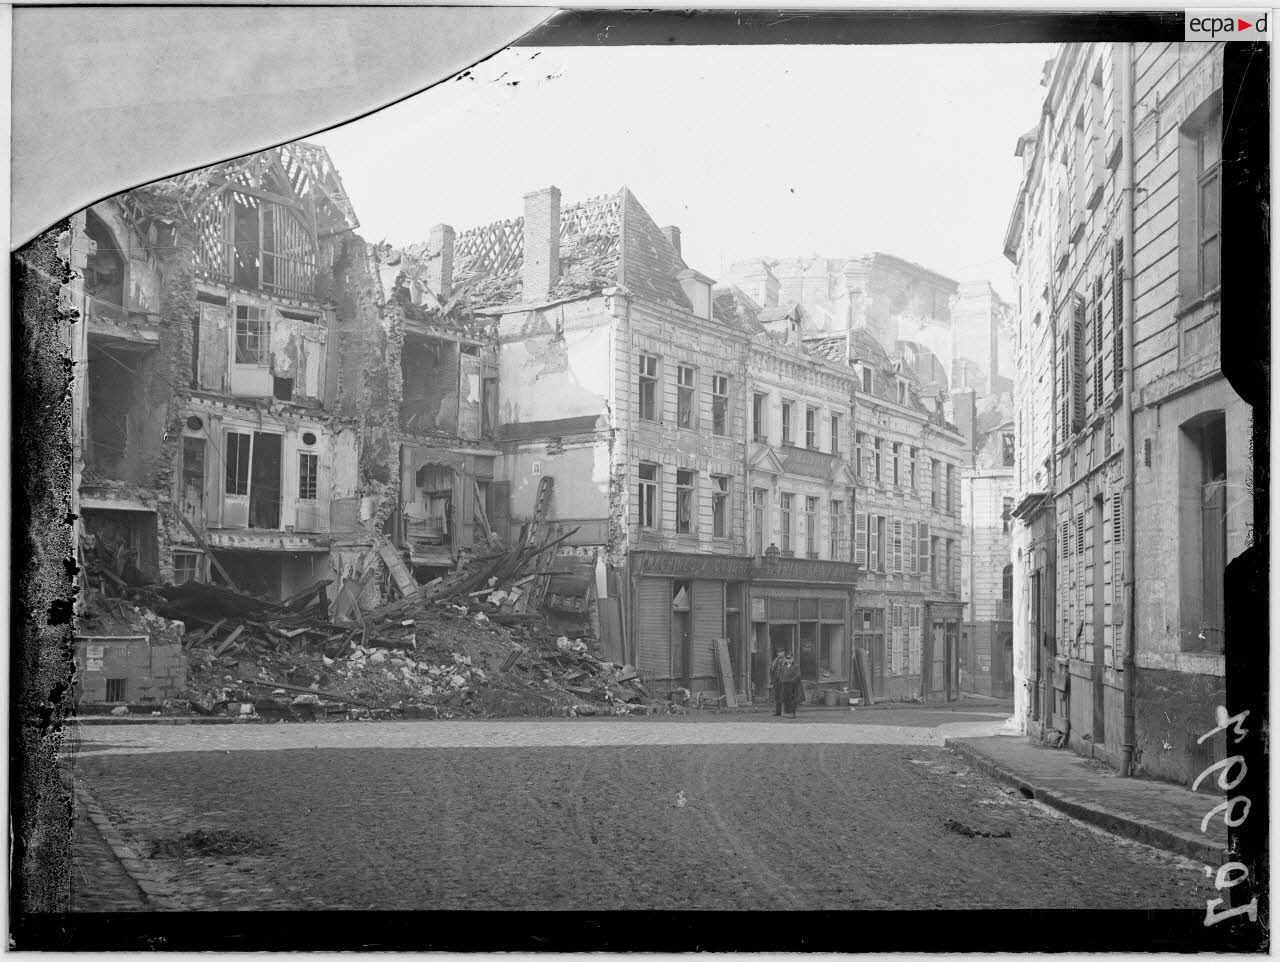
[217,438]
[1122,411]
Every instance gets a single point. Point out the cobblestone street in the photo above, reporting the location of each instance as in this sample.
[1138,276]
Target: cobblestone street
[719,812]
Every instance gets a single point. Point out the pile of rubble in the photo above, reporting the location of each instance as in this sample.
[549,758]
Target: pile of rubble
[466,645]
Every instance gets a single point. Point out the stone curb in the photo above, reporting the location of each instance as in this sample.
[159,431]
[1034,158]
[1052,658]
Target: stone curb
[126,720]
[1126,826]
[154,892]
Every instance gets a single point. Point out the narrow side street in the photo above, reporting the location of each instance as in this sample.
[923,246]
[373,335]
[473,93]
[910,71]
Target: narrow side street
[814,814]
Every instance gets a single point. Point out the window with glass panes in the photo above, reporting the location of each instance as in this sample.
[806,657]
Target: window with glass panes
[720,505]
[758,496]
[784,506]
[648,386]
[684,501]
[720,405]
[308,476]
[648,495]
[686,400]
[811,526]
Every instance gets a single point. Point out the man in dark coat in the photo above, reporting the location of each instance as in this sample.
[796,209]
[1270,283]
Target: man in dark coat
[774,667]
[789,684]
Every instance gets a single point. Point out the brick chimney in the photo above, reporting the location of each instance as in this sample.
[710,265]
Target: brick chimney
[673,238]
[440,260]
[541,243]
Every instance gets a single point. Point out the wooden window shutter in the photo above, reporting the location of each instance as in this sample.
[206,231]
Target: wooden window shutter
[872,544]
[1097,342]
[911,547]
[860,538]
[897,545]
[1077,366]
[1117,519]
[1066,539]
[924,548]
[1117,315]
[1080,533]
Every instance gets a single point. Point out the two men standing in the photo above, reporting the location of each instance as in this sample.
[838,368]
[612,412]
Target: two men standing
[785,675]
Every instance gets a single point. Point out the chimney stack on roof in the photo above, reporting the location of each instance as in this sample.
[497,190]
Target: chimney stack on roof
[673,238]
[541,243]
[440,260]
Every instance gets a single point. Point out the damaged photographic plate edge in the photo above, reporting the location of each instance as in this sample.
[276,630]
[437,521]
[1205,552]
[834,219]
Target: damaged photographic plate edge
[118,101]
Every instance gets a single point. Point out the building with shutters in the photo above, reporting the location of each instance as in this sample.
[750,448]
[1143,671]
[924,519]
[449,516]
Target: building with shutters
[208,393]
[1117,338]
[907,463]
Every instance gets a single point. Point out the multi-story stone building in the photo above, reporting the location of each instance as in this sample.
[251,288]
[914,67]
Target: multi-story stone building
[907,539]
[1118,640]
[986,585]
[619,378]
[208,380]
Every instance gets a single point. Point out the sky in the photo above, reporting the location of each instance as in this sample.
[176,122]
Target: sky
[751,151]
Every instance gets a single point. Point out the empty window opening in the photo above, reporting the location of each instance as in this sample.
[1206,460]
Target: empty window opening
[104,268]
[124,430]
[431,370]
[193,457]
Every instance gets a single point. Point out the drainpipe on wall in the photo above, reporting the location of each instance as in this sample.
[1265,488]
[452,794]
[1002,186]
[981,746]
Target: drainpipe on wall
[1127,300]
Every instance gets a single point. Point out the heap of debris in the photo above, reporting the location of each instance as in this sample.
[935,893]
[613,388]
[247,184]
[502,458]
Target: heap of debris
[469,644]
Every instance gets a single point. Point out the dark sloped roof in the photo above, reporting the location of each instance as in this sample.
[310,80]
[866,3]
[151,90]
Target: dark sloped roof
[649,262]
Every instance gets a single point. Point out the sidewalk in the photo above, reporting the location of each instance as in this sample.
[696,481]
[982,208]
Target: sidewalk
[1159,814]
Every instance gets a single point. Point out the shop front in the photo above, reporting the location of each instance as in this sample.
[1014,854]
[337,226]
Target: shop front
[681,605]
[804,607]
[941,681]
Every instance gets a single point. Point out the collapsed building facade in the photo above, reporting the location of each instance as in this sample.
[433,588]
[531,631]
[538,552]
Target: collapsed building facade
[207,384]
[268,402]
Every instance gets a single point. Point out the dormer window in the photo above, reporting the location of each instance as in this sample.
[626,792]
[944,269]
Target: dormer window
[902,392]
[696,287]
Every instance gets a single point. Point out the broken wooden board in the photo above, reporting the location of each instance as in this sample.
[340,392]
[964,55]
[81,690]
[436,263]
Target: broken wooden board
[228,641]
[400,573]
[206,635]
[725,667]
